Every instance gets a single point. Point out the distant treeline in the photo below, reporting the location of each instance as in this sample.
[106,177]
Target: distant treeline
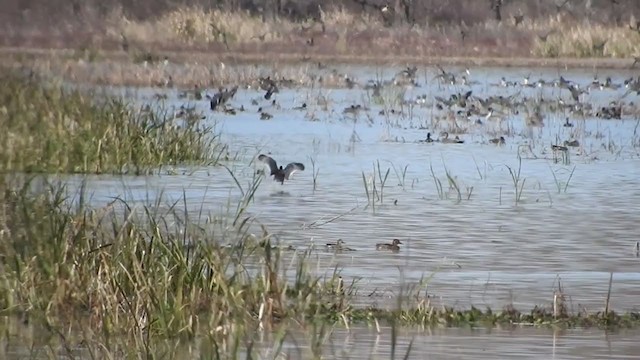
[53,13]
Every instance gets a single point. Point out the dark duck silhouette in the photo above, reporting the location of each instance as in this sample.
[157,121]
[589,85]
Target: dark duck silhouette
[280,174]
[394,246]
[428,139]
[221,97]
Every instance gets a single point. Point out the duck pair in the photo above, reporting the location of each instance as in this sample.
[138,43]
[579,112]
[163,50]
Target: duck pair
[341,246]
[445,139]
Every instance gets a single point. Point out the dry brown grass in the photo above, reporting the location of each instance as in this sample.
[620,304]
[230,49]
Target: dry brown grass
[342,32]
[195,25]
[339,31]
[584,40]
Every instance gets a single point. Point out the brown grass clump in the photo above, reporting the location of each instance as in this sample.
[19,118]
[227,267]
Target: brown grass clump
[194,25]
[586,41]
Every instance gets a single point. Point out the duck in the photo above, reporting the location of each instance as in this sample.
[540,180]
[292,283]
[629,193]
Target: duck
[267,244]
[567,123]
[559,148]
[352,109]
[498,141]
[267,83]
[279,173]
[428,139]
[270,91]
[338,246]
[572,143]
[221,97]
[446,139]
[394,246]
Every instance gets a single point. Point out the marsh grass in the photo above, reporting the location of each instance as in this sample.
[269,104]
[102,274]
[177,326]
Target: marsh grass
[130,273]
[453,184]
[122,280]
[562,186]
[401,174]
[441,194]
[518,182]
[374,187]
[315,171]
[49,128]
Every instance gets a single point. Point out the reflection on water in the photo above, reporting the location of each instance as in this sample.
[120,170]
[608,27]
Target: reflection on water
[367,343]
[521,343]
[574,223]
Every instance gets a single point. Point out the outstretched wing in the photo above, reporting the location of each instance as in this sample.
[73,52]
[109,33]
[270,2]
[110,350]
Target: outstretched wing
[269,161]
[291,168]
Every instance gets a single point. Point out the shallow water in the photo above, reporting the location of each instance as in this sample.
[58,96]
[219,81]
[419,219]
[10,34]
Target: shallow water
[482,250]
[367,343]
[480,343]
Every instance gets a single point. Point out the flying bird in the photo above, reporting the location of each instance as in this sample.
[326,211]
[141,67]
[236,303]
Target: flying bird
[280,174]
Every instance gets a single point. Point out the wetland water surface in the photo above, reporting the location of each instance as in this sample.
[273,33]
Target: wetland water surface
[486,344]
[575,222]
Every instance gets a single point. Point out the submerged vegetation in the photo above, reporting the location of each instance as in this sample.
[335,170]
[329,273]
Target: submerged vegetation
[50,128]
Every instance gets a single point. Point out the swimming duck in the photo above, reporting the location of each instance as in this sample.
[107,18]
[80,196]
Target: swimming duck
[353,109]
[567,123]
[394,246]
[428,139]
[338,246]
[572,143]
[446,139]
[280,174]
[498,141]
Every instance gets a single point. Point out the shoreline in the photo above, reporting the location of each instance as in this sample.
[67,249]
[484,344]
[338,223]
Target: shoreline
[297,58]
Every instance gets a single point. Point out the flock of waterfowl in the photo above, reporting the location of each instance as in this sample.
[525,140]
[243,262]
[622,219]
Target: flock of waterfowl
[462,111]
